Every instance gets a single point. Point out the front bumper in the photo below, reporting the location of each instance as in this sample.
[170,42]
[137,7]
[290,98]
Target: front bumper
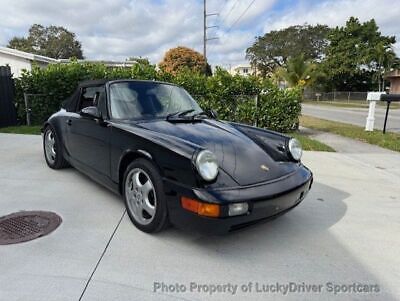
[266,201]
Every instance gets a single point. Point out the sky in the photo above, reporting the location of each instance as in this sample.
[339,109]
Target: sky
[118,29]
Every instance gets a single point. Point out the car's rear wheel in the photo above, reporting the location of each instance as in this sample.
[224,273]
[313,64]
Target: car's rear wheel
[52,149]
[144,196]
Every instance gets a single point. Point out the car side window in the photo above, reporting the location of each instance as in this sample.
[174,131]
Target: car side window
[88,96]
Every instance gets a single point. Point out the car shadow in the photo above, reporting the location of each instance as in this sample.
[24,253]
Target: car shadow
[300,246]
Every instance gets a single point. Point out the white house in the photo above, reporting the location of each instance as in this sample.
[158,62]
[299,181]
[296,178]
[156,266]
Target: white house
[243,69]
[19,60]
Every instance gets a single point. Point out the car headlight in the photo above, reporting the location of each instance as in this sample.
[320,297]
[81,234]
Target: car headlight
[295,149]
[206,164]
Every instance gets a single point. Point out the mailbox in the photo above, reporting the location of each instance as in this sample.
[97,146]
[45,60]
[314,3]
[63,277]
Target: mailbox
[388,98]
[372,97]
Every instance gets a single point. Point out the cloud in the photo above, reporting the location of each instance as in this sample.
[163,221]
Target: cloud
[337,12]
[111,29]
[118,29]
[234,10]
[230,49]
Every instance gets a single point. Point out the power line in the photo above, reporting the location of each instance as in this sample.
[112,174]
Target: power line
[241,16]
[230,11]
[223,6]
[237,20]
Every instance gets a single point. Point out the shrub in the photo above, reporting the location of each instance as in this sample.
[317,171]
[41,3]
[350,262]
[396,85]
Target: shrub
[279,109]
[232,97]
[180,58]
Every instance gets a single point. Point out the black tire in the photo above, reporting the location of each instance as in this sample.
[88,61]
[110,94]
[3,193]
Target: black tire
[160,218]
[58,162]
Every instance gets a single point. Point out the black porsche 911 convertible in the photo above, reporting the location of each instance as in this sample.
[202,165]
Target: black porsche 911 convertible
[172,162]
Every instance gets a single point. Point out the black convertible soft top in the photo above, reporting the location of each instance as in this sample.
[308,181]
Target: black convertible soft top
[71,102]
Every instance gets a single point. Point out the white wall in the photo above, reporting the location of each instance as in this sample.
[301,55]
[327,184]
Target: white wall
[240,71]
[16,64]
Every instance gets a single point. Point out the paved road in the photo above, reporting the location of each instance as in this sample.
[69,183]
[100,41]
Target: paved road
[356,116]
[345,231]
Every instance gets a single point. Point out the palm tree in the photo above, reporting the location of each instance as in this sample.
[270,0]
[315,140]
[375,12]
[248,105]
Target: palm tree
[385,59]
[298,72]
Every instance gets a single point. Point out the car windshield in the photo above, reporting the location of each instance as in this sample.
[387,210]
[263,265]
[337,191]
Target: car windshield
[146,100]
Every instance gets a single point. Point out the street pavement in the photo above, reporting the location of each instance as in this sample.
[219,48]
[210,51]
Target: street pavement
[356,116]
[345,232]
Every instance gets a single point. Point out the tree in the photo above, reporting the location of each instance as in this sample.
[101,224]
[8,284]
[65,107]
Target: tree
[182,58]
[386,59]
[357,56]
[53,41]
[298,72]
[141,60]
[275,48]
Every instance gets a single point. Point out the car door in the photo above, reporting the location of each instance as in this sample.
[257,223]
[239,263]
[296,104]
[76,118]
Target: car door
[88,137]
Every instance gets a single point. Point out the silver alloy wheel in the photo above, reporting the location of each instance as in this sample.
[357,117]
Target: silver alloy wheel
[50,146]
[141,196]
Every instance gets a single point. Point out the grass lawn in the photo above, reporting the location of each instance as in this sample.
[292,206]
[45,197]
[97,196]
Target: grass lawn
[389,140]
[23,129]
[344,104]
[309,144]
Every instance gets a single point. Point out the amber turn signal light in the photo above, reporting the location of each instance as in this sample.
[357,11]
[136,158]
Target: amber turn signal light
[200,208]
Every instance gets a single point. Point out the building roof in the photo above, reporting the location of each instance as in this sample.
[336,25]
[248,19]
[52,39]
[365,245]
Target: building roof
[393,74]
[241,66]
[45,59]
[27,55]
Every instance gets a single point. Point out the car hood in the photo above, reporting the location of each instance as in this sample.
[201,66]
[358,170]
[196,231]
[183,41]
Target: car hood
[237,154]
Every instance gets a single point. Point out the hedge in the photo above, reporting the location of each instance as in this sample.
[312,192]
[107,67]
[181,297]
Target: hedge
[232,97]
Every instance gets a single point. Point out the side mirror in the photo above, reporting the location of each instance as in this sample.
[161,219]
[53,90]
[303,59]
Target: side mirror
[91,112]
[213,114]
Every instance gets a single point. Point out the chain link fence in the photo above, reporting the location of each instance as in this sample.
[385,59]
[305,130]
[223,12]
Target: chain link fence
[339,96]
[34,106]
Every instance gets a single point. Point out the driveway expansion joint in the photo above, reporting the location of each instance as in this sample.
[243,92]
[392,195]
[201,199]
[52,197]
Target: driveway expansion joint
[102,255]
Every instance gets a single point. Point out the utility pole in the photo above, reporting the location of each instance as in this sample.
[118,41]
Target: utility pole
[205,31]
[205,27]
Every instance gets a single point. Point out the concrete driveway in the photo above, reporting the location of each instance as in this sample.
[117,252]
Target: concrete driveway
[346,231]
[356,116]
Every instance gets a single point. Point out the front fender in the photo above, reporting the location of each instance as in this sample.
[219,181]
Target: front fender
[171,156]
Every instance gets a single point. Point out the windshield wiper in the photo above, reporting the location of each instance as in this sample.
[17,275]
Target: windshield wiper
[199,114]
[179,114]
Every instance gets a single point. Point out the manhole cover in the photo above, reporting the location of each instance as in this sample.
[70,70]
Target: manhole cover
[27,225]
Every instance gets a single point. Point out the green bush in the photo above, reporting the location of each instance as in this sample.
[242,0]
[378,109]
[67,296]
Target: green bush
[279,109]
[232,97]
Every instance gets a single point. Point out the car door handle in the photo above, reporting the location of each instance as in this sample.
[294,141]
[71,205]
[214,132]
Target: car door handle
[69,122]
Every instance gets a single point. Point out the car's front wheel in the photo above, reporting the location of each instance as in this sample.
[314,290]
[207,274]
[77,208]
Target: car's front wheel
[144,196]
[52,149]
